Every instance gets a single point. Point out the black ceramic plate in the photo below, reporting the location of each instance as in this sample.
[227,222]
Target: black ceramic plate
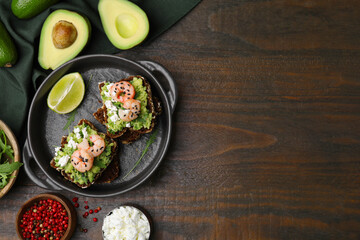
[45,127]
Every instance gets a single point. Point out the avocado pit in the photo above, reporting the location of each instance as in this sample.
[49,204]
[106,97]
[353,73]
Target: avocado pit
[64,34]
[126,25]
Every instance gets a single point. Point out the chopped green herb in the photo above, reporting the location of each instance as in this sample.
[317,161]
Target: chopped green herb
[149,142]
[70,119]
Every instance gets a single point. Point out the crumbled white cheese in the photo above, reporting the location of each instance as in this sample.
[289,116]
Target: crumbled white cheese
[126,223]
[72,143]
[110,107]
[56,151]
[85,133]
[109,86]
[114,118]
[63,160]
[126,111]
[128,125]
[77,132]
[107,93]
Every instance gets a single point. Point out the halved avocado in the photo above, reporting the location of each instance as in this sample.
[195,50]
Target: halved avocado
[63,35]
[125,24]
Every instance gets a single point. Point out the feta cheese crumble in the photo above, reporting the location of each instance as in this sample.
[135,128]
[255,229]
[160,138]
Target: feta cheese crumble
[85,133]
[63,160]
[107,93]
[72,143]
[114,118]
[110,107]
[77,132]
[56,151]
[126,223]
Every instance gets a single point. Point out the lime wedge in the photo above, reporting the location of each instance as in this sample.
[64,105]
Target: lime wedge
[67,93]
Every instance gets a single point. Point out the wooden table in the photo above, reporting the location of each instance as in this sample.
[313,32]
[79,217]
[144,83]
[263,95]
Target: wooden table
[267,136]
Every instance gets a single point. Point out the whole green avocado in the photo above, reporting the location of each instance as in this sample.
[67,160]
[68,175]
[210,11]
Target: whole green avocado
[24,9]
[8,53]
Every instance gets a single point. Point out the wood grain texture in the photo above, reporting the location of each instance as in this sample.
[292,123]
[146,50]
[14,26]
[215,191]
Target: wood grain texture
[266,140]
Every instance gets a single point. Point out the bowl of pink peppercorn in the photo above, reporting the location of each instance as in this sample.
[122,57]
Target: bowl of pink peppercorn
[46,216]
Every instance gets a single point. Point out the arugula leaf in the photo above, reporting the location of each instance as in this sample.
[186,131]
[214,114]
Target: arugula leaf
[3,180]
[149,142]
[6,170]
[9,168]
[5,147]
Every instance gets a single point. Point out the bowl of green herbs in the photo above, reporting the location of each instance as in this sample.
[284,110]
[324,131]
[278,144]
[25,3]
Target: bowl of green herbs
[9,158]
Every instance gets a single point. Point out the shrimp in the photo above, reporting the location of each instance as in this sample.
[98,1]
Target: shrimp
[84,145]
[122,91]
[133,105]
[98,147]
[132,109]
[82,160]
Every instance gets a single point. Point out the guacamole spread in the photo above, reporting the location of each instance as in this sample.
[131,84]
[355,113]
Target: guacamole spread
[114,123]
[63,155]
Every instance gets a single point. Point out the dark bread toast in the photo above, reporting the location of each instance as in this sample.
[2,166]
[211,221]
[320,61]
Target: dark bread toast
[107,175]
[128,134]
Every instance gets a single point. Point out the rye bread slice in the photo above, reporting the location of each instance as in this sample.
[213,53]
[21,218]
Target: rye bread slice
[108,174]
[128,134]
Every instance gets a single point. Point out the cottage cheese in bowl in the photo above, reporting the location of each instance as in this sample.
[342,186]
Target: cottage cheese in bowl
[126,223]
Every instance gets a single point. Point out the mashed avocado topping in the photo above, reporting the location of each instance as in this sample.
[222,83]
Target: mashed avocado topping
[63,155]
[114,123]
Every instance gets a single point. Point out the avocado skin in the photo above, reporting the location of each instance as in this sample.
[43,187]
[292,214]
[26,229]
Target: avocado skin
[43,56]
[25,9]
[8,53]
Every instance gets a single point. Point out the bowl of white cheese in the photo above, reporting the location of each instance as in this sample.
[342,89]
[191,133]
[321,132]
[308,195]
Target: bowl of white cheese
[126,222]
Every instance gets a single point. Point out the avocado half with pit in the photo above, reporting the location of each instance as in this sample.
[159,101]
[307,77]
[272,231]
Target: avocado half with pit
[125,24]
[63,36]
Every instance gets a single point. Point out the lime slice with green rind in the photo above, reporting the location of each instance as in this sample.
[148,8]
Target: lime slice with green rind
[67,93]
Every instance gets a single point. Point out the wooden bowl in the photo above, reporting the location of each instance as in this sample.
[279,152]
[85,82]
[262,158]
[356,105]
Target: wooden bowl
[71,212]
[11,140]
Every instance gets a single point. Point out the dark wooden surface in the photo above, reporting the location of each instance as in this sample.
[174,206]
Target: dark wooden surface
[267,135]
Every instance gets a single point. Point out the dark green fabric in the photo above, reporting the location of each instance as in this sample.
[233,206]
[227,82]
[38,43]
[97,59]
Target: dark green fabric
[18,84]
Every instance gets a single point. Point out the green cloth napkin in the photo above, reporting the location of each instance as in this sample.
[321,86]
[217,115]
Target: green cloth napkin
[18,84]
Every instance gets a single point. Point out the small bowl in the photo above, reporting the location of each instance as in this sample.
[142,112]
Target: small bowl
[11,140]
[147,215]
[71,212]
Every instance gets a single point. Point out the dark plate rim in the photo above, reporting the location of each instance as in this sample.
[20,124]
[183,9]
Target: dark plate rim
[166,107]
